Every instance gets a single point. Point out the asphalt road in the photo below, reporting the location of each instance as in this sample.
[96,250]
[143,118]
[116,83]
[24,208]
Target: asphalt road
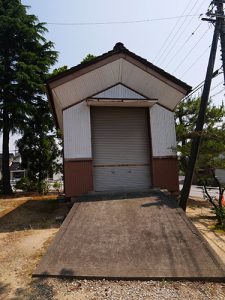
[196,191]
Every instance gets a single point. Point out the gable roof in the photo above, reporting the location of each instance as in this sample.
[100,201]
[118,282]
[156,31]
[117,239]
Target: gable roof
[120,48]
[119,57]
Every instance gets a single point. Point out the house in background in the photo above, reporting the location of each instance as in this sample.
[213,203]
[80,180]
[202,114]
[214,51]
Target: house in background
[116,114]
[16,171]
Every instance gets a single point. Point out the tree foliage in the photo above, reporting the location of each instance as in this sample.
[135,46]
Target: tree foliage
[88,58]
[212,147]
[38,147]
[59,70]
[217,202]
[25,58]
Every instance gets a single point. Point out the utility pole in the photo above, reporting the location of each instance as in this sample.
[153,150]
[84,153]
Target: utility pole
[222,34]
[218,31]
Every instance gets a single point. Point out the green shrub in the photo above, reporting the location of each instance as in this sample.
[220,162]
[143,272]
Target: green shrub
[57,185]
[43,187]
[220,215]
[27,185]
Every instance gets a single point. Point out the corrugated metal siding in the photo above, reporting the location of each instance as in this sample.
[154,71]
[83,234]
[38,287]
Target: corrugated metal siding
[162,131]
[121,148]
[77,131]
[119,178]
[119,92]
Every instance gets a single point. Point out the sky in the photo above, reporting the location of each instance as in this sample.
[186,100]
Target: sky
[169,34]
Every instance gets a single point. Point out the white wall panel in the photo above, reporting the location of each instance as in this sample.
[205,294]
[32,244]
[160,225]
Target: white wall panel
[89,84]
[119,92]
[162,131]
[77,131]
[150,86]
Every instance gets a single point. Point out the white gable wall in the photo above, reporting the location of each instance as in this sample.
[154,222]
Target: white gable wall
[77,132]
[119,91]
[116,72]
[163,132]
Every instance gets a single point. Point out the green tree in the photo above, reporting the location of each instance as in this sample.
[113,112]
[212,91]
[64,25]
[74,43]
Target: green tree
[212,145]
[38,147]
[59,70]
[25,58]
[87,58]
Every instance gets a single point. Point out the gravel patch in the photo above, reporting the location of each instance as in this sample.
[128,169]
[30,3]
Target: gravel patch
[126,290]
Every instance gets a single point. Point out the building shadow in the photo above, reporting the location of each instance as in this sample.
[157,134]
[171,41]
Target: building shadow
[34,214]
[122,195]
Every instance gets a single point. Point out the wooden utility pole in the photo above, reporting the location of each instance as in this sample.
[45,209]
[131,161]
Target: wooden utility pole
[218,31]
[222,33]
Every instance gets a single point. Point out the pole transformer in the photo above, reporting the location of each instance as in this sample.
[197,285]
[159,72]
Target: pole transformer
[218,31]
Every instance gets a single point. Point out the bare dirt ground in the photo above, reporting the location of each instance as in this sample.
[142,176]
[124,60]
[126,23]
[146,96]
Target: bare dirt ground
[199,211]
[28,225]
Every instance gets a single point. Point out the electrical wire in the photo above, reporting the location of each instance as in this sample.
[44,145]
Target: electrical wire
[195,45]
[182,46]
[200,85]
[176,37]
[196,60]
[222,82]
[120,22]
[223,90]
[168,37]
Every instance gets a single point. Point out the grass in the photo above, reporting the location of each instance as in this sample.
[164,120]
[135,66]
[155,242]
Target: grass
[217,228]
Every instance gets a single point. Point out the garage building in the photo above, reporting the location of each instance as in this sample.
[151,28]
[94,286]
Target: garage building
[116,113]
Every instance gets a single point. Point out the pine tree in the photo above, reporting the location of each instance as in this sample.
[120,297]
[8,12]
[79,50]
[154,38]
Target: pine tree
[25,58]
[38,148]
[212,147]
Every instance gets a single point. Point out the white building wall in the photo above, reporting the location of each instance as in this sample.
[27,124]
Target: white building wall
[77,132]
[162,131]
[119,92]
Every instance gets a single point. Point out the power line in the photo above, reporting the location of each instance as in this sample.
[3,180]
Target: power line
[168,37]
[218,31]
[120,22]
[200,85]
[196,60]
[223,90]
[222,82]
[181,47]
[175,37]
[182,32]
[186,56]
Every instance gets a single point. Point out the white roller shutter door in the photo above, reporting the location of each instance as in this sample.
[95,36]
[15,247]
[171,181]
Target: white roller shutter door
[120,148]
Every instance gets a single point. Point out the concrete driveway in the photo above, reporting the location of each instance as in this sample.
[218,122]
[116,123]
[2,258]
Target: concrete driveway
[133,238]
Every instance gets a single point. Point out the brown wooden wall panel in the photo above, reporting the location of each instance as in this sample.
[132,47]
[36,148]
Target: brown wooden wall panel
[78,177]
[165,173]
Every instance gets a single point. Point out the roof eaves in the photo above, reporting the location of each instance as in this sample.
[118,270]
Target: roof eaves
[119,48]
[52,105]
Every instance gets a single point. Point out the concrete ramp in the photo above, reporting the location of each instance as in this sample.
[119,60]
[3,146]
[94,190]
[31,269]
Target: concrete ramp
[141,238]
